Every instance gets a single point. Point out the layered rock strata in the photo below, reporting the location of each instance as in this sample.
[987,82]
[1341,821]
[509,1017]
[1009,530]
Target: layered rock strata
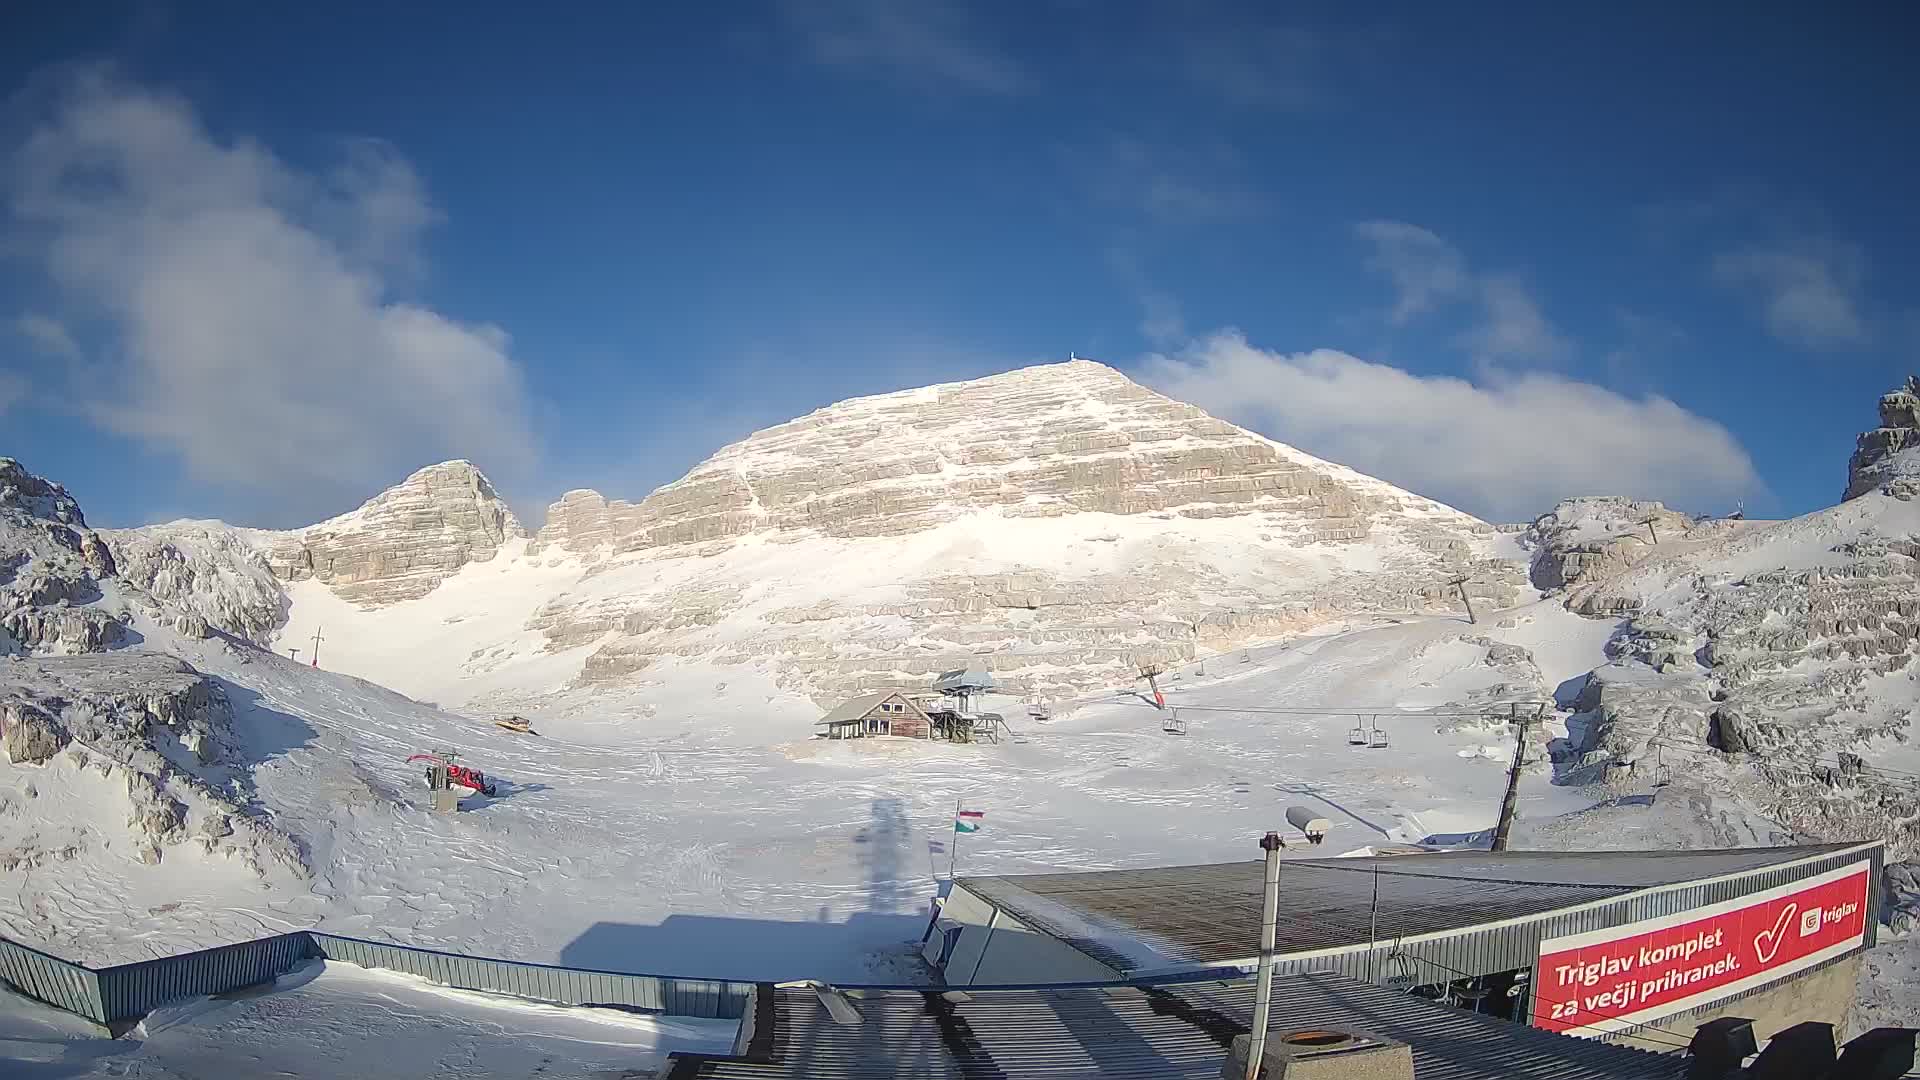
[403,542]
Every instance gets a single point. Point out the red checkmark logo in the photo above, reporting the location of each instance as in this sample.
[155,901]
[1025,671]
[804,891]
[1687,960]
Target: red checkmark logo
[1766,943]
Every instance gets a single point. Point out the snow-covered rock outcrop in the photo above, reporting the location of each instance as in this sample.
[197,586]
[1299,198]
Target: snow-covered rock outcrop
[51,565]
[1786,646]
[1597,537]
[204,571]
[400,544]
[161,732]
[1887,458]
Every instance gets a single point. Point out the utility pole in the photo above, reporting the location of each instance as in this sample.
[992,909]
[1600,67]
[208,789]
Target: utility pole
[1510,801]
[316,646]
[1263,989]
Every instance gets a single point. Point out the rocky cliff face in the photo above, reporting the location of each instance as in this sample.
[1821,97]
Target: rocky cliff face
[1773,661]
[1887,458]
[1045,441]
[1062,519]
[51,565]
[403,542]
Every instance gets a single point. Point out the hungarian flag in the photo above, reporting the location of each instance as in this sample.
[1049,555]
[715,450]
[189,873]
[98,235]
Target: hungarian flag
[968,820]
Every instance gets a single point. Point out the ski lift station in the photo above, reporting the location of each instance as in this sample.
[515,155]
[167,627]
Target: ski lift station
[1640,946]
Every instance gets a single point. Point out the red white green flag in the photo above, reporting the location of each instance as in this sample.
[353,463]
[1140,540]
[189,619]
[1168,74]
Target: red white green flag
[966,821]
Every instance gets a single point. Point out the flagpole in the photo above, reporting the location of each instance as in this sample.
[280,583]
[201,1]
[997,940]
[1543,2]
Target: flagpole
[953,852]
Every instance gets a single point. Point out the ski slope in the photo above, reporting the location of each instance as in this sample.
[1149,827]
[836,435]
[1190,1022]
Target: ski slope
[746,849]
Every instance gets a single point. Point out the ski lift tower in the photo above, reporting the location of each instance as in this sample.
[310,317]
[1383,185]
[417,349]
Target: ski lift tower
[964,684]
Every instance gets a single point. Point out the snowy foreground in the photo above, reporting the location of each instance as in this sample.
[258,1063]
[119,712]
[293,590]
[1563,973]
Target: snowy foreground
[339,1022]
[642,846]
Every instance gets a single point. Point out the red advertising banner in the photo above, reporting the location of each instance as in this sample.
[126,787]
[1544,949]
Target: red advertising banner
[1604,980]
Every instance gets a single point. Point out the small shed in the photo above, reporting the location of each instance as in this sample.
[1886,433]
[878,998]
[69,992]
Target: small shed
[889,712]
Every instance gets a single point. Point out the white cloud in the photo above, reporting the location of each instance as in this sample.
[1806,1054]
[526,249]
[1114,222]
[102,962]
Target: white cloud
[1428,273]
[1808,298]
[1512,326]
[1504,449]
[255,331]
[48,335]
[923,42]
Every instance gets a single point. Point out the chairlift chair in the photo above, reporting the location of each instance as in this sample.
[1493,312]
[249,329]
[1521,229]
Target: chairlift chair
[1173,723]
[1357,735]
[1379,739]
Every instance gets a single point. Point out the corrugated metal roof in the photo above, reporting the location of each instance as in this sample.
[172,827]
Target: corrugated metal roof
[1211,913]
[1160,1032]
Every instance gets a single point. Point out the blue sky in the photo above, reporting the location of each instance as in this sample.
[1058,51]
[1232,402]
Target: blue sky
[260,262]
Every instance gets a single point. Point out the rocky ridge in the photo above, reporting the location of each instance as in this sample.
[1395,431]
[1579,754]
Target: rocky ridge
[1044,441]
[400,544]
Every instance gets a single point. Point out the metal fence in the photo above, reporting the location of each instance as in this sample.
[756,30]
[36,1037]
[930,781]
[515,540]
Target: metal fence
[132,990]
[710,998]
[60,983]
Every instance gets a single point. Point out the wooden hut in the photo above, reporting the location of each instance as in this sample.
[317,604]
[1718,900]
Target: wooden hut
[889,712]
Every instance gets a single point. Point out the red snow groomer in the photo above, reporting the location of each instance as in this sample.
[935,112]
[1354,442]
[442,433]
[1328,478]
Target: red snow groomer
[441,766]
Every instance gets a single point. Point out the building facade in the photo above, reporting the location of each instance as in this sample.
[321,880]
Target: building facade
[889,712]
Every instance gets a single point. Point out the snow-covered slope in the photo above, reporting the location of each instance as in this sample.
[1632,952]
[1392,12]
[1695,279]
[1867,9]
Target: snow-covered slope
[727,851]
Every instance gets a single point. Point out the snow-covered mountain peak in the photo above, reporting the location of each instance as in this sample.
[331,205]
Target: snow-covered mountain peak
[1045,441]
[400,544]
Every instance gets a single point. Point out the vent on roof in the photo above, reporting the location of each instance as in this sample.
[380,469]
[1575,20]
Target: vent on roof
[1323,1054]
